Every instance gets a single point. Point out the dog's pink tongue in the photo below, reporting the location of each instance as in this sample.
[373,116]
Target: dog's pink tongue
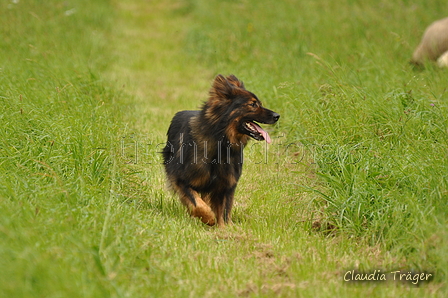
[265,135]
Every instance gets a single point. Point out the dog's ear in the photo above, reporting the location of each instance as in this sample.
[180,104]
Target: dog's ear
[234,81]
[221,88]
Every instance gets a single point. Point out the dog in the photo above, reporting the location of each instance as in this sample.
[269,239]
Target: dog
[434,45]
[203,156]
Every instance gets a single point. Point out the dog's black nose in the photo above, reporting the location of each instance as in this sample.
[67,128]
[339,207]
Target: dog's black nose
[276,116]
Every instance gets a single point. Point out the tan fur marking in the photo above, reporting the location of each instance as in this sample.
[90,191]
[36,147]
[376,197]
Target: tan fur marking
[234,81]
[211,116]
[233,135]
[200,180]
[202,210]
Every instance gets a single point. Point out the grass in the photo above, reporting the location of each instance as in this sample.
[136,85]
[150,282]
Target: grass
[354,180]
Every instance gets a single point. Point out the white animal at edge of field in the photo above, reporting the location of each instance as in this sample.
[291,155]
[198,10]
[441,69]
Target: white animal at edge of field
[443,60]
[434,45]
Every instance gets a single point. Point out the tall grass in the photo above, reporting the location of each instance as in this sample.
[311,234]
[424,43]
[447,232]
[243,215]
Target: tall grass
[56,143]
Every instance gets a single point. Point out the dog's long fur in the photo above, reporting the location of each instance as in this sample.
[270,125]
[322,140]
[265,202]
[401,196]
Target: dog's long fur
[203,155]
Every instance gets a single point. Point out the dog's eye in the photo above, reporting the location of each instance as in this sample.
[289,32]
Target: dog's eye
[254,104]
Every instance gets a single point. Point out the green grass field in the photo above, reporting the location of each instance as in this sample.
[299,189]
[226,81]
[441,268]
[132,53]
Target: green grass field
[356,177]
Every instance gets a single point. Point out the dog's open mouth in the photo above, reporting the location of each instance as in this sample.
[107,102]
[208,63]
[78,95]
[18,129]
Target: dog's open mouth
[256,132]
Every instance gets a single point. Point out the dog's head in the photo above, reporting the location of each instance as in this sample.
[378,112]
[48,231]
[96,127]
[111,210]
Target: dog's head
[239,108]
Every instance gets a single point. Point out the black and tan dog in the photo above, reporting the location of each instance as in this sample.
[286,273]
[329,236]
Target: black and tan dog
[203,156]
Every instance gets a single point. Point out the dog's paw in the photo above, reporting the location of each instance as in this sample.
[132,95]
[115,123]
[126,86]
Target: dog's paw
[205,213]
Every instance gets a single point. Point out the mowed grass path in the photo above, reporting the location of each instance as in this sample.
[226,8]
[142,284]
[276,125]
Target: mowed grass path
[85,210]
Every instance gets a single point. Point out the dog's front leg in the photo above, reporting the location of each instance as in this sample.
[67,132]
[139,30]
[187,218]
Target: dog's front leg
[222,206]
[228,208]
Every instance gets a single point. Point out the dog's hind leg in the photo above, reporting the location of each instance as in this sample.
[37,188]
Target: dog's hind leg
[196,206]
[202,210]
